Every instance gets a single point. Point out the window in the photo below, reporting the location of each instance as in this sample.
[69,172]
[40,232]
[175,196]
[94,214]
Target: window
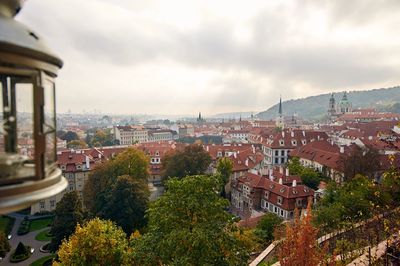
[282,213]
[52,203]
[41,204]
[282,152]
[280,200]
[276,160]
[294,142]
[276,209]
[266,194]
[219,154]
[276,153]
[299,202]
[281,143]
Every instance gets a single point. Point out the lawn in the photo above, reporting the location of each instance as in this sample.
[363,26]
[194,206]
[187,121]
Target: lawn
[43,236]
[6,224]
[40,224]
[40,261]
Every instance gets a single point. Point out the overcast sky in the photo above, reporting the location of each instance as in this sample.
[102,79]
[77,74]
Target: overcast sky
[182,57]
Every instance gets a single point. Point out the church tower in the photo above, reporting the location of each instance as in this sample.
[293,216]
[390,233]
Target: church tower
[332,108]
[279,119]
[344,105]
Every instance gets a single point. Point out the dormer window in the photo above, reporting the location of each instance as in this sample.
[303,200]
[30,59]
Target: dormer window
[78,167]
[304,142]
[294,142]
[219,154]
[281,143]
[157,153]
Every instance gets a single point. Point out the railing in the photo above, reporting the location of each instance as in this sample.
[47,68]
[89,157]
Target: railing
[271,248]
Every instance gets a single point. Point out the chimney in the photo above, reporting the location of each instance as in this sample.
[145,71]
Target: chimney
[270,175]
[370,137]
[292,134]
[280,181]
[294,184]
[317,137]
[283,134]
[287,172]
[246,162]
[254,148]
[87,162]
[341,149]
[281,170]
[207,148]
[304,133]
[234,154]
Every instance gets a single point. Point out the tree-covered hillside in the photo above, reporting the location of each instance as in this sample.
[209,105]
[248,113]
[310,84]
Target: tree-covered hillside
[315,107]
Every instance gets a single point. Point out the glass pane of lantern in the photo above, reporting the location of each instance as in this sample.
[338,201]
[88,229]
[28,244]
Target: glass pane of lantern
[49,126]
[2,132]
[24,118]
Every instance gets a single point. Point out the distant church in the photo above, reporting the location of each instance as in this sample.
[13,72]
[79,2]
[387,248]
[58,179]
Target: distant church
[279,122]
[343,107]
[200,119]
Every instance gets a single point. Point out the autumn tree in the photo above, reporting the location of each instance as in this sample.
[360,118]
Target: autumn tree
[224,170]
[193,160]
[188,225]
[4,245]
[127,173]
[77,144]
[362,161]
[300,247]
[97,242]
[67,215]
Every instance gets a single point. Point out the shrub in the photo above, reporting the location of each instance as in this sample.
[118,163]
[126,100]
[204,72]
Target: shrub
[24,227]
[21,253]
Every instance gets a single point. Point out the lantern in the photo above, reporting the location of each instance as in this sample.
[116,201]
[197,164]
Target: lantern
[28,169]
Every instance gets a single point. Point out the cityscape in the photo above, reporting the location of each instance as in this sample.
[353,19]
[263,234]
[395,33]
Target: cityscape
[212,161]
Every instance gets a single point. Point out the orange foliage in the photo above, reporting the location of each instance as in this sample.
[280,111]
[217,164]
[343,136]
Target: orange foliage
[299,247]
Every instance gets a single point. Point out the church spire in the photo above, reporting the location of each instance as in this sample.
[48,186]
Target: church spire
[280,105]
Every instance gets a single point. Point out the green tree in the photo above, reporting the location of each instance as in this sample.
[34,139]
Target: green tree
[106,179]
[224,170]
[310,178]
[308,175]
[189,226]
[68,214]
[193,160]
[97,242]
[4,245]
[69,136]
[295,168]
[266,227]
[127,203]
[347,204]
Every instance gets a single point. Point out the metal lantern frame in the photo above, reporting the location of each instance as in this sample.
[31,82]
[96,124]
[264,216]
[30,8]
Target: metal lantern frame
[24,59]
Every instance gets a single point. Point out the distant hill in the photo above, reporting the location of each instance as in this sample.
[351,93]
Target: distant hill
[315,107]
[233,115]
